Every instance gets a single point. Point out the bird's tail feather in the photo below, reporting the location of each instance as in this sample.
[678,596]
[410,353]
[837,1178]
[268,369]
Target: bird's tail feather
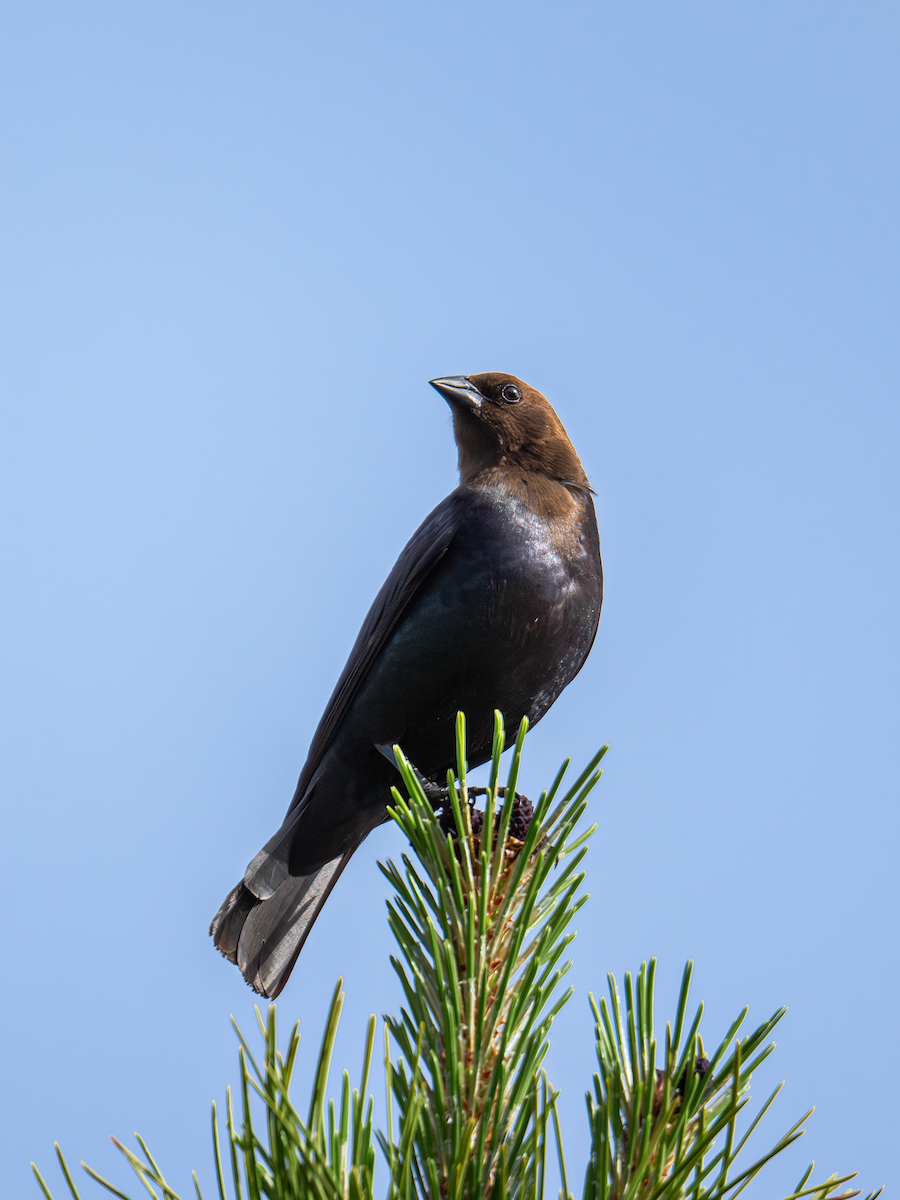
[264,937]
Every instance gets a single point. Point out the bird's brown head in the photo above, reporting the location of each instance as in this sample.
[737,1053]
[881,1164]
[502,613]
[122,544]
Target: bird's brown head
[502,424]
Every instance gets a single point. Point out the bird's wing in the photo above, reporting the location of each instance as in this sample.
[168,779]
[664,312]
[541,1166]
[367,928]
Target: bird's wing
[420,556]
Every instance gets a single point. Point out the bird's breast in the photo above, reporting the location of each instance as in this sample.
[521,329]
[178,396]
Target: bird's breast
[511,610]
[525,567]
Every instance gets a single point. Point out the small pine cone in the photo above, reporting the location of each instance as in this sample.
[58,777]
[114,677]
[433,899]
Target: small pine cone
[701,1066]
[520,820]
[447,821]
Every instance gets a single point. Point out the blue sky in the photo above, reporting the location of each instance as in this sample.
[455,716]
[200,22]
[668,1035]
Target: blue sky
[238,242]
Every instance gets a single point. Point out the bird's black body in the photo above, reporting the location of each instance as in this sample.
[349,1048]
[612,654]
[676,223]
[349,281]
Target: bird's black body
[493,604]
[505,620]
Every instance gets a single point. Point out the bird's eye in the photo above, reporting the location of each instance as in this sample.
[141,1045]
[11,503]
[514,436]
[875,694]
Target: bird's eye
[511,394]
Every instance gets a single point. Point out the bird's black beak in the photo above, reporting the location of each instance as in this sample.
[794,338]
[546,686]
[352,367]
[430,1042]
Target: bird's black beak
[458,391]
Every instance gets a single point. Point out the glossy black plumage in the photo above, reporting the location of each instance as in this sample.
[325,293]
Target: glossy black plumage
[493,604]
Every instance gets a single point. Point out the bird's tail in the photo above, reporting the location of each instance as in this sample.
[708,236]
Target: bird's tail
[264,937]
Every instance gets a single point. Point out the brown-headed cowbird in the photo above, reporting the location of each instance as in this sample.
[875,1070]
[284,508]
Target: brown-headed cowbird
[493,604]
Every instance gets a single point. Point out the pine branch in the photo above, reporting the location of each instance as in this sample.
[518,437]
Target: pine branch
[482,918]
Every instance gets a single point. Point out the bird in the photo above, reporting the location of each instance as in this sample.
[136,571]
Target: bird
[493,604]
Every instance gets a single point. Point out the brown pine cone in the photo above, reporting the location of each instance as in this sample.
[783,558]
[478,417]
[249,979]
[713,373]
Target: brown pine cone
[523,811]
[447,821]
[519,821]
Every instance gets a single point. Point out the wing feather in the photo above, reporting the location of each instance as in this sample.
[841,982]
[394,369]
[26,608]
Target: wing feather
[420,556]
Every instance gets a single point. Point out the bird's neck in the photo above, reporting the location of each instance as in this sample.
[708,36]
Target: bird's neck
[545,497]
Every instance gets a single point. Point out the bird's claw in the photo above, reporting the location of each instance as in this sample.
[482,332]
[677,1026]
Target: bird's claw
[438,796]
